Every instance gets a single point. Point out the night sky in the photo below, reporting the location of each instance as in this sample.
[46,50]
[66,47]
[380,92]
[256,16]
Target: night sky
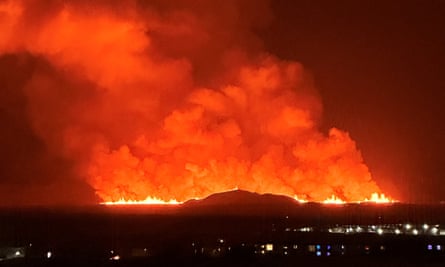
[378,67]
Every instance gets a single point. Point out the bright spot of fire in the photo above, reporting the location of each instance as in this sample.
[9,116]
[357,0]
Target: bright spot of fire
[300,200]
[334,200]
[379,198]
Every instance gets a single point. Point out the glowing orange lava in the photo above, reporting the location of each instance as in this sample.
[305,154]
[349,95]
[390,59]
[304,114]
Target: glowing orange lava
[334,200]
[379,198]
[375,198]
[147,201]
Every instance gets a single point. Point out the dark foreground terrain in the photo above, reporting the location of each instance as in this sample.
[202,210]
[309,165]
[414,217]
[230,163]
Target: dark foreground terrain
[231,229]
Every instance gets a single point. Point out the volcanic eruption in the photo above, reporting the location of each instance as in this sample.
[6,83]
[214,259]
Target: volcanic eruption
[175,101]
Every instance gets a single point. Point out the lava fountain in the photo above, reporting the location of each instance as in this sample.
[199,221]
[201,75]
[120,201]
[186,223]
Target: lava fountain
[162,103]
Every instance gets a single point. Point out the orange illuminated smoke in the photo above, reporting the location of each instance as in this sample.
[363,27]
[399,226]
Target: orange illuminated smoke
[161,103]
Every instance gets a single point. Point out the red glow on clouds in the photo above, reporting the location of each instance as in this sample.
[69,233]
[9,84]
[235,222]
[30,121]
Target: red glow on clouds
[157,103]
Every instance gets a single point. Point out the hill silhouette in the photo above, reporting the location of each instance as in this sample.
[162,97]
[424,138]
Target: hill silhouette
[241,202]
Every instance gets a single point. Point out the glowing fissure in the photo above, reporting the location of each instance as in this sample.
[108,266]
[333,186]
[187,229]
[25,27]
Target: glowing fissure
[152,106]
[147,201]
[375,198]
[333,200]
[379,198]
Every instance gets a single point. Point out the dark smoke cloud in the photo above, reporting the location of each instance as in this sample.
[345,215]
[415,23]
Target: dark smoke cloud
[30,173]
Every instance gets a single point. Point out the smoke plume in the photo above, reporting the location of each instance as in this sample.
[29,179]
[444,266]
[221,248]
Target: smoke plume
[175,101]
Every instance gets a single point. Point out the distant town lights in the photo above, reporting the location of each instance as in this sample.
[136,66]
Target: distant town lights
[115,258]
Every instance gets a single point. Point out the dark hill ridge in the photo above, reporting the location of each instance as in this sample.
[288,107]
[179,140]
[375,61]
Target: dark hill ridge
[241,202]
[244,203]
[241,197]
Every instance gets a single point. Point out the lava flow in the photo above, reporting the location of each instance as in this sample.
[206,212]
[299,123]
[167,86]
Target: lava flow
[162,103]
[375,199]
[147,201]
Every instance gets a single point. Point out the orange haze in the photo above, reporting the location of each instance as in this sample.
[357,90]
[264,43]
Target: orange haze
[177,101]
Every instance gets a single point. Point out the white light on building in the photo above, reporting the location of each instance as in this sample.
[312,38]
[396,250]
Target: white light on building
[306,229]
[311,248]
[115,258]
